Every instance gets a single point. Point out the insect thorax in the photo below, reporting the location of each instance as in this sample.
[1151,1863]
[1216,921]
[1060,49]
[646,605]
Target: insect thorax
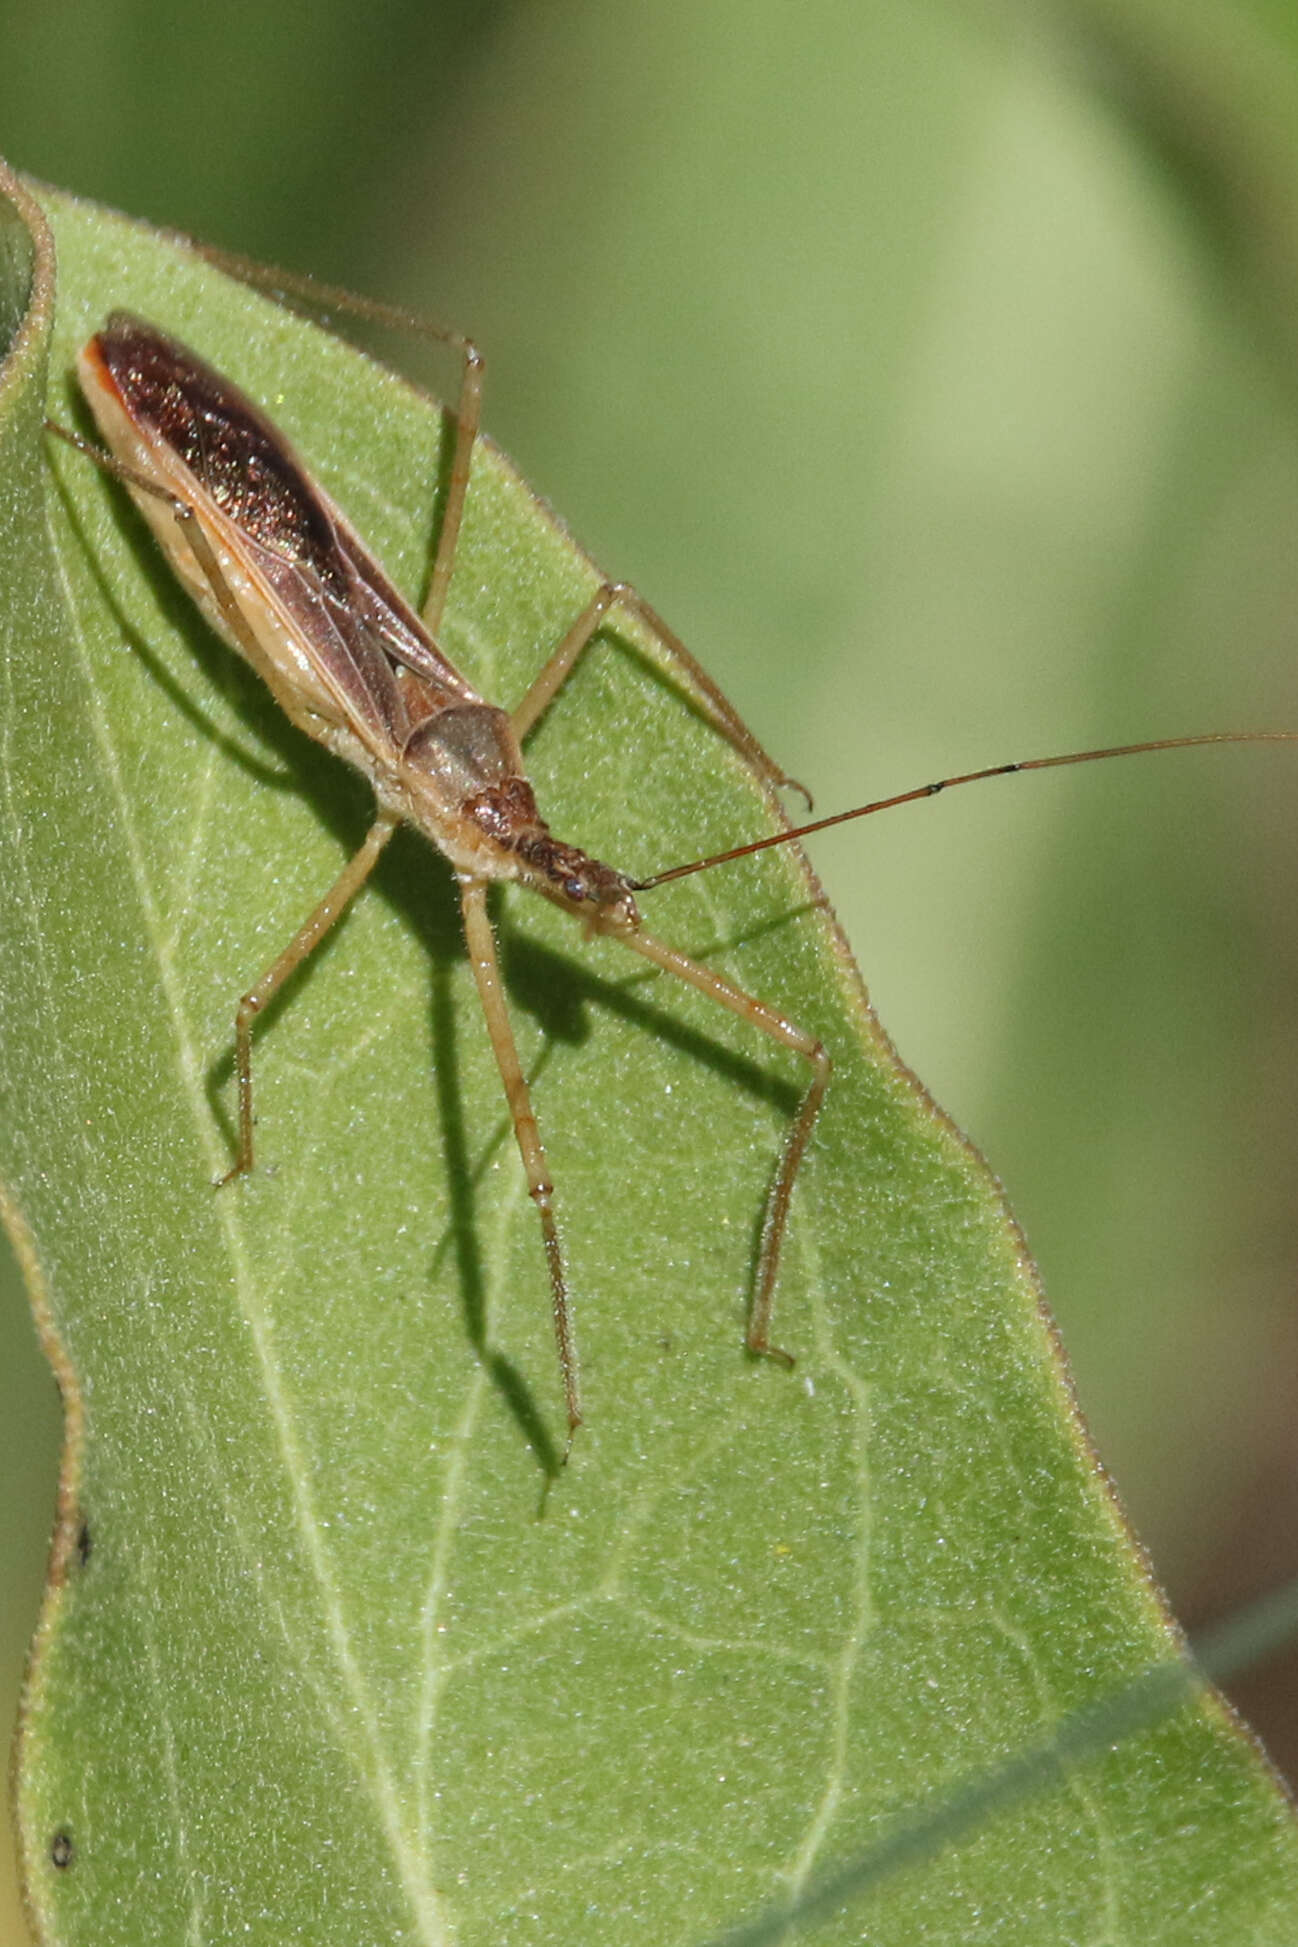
[466,789]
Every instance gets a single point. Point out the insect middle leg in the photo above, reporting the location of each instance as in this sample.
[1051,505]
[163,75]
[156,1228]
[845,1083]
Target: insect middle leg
[707,698]
[703,692]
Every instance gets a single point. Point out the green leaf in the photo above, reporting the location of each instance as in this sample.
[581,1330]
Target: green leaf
[329,1664]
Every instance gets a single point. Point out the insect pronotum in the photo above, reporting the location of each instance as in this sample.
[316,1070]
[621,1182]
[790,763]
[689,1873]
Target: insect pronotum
[280,573]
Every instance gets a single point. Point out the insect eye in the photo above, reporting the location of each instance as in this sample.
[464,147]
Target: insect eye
[574,888]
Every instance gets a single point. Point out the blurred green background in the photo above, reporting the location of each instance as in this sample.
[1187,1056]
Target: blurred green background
[955,346]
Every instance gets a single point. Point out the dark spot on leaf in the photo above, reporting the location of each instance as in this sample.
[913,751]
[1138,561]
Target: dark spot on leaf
[85,1545]
[62,1849]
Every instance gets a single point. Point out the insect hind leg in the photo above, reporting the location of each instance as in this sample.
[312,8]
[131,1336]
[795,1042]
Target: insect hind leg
[317,299]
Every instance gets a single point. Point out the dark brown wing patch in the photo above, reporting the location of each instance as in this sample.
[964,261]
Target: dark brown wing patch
[224,441]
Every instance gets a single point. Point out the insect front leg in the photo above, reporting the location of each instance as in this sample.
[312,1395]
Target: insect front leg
[486,972]
[304,942]
[787,1034]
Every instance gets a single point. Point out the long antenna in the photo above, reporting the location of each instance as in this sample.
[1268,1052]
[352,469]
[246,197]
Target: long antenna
[966,777]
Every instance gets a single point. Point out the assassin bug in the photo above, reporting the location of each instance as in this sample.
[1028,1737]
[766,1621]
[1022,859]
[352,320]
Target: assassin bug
[283,577]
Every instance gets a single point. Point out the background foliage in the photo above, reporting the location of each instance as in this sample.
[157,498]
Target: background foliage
[955,348]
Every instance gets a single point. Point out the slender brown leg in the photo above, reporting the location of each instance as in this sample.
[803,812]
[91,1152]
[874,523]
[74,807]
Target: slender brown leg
[788,1035]
[468,415]
[468,418]
[705,695]
[109,463]
[304,942]
[353,875]
[319,298]
[703,692]
[558,665]
[486,971]
[190,526]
